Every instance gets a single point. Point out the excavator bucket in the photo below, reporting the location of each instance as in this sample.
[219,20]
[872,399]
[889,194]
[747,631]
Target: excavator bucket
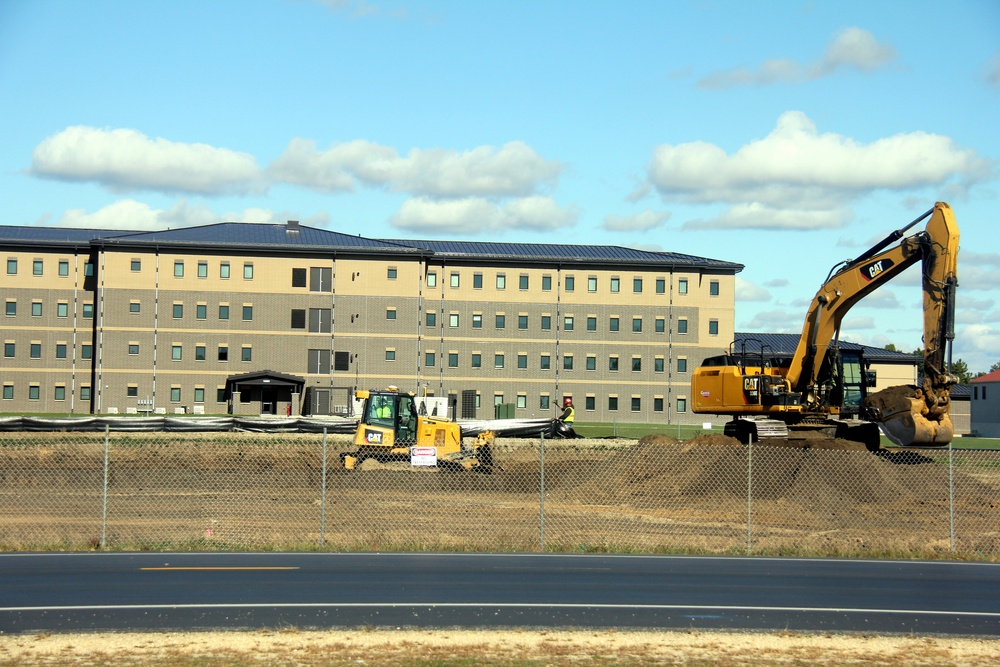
[903,416]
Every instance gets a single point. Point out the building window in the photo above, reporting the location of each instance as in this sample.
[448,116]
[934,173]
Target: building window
[320,320]
[477,360]
[247,313]
[592,284]
[568,323]
[431,319]
[318,362]
[613,324]
[35,351]
[36,308]
[546,322]
[390,313]
[63,268]
[34,392]
[682,286]
[657,404]
[8,392]
[432,279]
[477,321]
[498,361]
[453,320]
[320,279]
[713,327]
[199,353]
[11,308]
[220,394]
[453,360]
[37,267]
[612,404]
[660,325]
[501,281]
[199,394]
[613,364]
[682,365]
[391,273]
[248,271]
[134,307]
[136,265]
[637,285]
[522,401]
[501,321]
[590,403]
[201,311]
[298,277]
[591,362]
[176,352]
[223,312]
[223,353]
[60,393]
[713,288]
[682,405]
[9,349]
[246,353]
[522,361]
[454,279]
[86,351]
[636,325]
[636,404]
[546,287]
[390,355]
[661,286]
[543,401]
[88,269]
[175,394]
[545,362]
[591,323]
[658,365]
[570,283]
[85,393]
[429,359]
[88,311]
[179,269]
[203,269]
[522,282]
[522,322]
[477,281]
[224,270]
[11,267]
[616,285]
[682,326]
[133,348]
[132,391]
[178,311]
[636,364]
[62,310]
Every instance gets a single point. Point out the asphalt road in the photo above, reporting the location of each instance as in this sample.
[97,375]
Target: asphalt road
[59,592]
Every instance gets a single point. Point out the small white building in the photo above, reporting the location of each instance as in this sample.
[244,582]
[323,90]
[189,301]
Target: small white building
[985,405]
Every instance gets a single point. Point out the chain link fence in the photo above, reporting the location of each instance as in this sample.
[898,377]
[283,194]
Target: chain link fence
[709,494]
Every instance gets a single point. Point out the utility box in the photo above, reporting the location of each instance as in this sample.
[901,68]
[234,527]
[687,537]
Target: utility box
[504,411]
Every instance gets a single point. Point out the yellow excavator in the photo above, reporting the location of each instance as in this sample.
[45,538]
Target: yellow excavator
[823,389]
[390,429]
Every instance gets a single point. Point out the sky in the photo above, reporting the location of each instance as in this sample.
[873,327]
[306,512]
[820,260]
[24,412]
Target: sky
[784,136]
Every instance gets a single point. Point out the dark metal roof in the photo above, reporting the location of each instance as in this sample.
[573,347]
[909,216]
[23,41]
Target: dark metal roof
[783,343]
[271,378]
[559,253]
[53,235]
[258,235]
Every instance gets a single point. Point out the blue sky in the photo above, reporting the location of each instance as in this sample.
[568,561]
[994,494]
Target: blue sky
[787,136]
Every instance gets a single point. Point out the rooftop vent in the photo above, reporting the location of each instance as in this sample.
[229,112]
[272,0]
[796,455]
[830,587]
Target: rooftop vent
[292,227]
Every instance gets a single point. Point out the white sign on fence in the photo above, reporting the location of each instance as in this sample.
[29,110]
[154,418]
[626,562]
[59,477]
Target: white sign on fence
[423,456]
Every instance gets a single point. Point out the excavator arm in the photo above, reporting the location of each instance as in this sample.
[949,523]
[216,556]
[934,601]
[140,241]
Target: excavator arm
[907,415]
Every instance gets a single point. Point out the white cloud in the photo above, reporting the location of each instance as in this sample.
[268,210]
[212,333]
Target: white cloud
[852,48]
[514,170]
[132,215]
[747,291]
[125,160]
[472,215]
[859,322]
[980,342]
[774,321]
[882,299]
[798,178]
[993,72]
[777,282]
[636,223]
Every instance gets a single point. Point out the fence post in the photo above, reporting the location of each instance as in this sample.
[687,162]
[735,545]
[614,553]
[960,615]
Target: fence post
[322,495]
[749,493]
[104,493]
[951,498]
[541,495]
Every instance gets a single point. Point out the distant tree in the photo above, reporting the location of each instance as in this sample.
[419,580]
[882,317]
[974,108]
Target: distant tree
[958,367]
[995,367]
[919,354]
[891,348]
